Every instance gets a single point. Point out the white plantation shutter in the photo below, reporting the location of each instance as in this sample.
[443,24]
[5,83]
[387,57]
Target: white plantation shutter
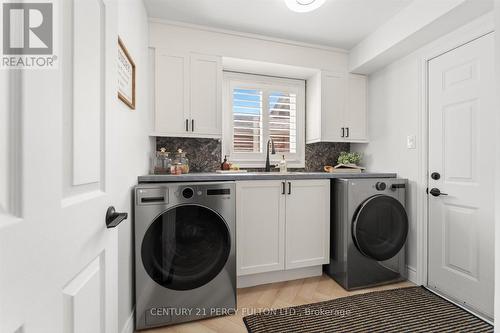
[283,121]
[260,108]
[247,121]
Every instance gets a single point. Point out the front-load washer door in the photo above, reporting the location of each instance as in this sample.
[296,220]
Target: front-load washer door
[186,247]
[380,227]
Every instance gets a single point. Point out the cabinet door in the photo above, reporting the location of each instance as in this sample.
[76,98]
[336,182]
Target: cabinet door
[260,226]
[355,112]
[307,223]
[171,93]
[206,95]
[333,102]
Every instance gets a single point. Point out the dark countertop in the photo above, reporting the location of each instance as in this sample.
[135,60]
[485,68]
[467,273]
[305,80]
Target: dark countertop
[209,176]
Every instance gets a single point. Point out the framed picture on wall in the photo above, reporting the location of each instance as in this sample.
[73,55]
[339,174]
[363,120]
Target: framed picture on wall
[126,76]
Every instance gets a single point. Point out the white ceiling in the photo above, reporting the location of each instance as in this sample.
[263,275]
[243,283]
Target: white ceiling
[338,23]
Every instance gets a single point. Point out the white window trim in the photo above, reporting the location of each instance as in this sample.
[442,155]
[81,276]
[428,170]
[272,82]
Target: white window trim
[257,160]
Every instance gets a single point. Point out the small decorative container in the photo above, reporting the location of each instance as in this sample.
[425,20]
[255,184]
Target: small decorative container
[181,162]
[161,162]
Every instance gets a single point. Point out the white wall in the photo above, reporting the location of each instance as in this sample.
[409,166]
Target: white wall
[497,173]
[395,111]
[133,145]
[244,46]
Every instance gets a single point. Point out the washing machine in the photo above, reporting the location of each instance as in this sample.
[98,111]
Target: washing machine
[185,265]
[369,228]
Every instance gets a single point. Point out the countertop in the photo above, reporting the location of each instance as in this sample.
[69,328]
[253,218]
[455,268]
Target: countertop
[212,176]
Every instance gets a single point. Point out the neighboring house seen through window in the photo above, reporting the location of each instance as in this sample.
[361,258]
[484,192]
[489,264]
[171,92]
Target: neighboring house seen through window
[260,108]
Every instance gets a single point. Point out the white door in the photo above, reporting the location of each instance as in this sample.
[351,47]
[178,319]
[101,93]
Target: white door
[461,150]
[307,235]
[57,259]
[206,95]
[172,93]
[260,226]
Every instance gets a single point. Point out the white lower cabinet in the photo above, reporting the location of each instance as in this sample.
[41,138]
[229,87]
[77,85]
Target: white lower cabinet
[260,227]
[282,225]
[307,234]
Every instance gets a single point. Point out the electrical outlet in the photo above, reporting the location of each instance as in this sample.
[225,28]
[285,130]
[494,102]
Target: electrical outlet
[411,142]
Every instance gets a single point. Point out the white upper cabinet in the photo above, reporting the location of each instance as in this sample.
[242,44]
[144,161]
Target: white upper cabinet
[355,111]
[206,95]
[188,95]
[336,108]
[172,93]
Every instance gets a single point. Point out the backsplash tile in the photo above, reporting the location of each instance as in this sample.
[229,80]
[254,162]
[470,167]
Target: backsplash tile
[323,153]
[205,154]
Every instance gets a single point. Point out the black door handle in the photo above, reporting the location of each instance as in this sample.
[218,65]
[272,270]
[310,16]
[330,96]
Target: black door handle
[347,128]
[343,132]
[436,192]
[289,188]
[187,125]
[192,125]
[282,187]
[113,218]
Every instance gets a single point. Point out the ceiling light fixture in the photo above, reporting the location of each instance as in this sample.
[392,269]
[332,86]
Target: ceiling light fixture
[304,6]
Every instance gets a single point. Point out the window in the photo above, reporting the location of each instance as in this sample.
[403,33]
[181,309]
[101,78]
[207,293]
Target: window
[260,108]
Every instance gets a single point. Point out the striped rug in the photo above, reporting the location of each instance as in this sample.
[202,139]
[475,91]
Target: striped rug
[412,309]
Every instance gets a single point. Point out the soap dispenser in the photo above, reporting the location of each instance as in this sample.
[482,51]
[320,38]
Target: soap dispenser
[225,164]
[282,165]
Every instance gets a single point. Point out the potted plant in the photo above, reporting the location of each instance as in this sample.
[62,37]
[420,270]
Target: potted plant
[349,159]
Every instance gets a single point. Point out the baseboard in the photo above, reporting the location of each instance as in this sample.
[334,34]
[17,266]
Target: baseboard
[129,324]
[412,274]
[278,276]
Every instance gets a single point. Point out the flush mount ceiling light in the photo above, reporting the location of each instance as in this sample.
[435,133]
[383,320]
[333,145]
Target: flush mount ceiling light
[303,6]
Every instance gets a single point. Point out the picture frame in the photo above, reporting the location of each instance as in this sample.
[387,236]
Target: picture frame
[126,76]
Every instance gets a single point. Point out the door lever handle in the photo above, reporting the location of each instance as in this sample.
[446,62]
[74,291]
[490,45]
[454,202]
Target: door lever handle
[113,218]
[436,192]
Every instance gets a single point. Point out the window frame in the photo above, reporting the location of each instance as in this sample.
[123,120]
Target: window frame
[266,84]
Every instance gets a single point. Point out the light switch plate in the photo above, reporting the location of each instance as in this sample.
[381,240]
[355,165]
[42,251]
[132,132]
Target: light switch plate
[411,142]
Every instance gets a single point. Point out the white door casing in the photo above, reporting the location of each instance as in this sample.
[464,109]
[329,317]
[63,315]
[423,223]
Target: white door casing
[58,262]
[461,146]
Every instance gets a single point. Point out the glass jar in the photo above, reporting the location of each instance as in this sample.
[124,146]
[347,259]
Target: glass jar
[181,161]
[161,162]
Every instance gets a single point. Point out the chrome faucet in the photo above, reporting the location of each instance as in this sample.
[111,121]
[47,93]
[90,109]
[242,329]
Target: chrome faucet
[273,151]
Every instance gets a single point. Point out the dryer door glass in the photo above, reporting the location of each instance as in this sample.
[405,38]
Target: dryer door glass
[380,227]
[186,247]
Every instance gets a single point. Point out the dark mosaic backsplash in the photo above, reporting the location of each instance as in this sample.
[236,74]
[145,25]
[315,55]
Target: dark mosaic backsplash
[205,154]
[323,153]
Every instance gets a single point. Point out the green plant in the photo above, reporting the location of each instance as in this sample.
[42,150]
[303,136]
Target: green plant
[349,158]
